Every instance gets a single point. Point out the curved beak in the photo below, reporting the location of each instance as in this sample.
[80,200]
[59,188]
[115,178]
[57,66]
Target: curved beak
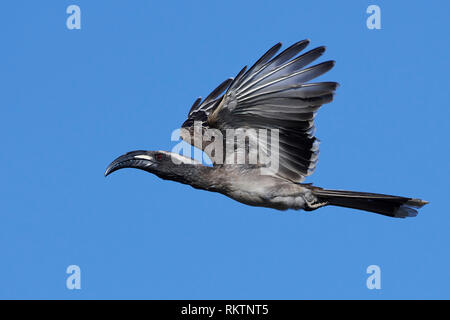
[135,159]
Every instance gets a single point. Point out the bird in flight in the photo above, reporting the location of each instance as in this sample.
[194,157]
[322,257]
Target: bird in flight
[276,98]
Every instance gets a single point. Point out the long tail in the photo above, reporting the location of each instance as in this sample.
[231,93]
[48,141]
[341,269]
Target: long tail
[392,206]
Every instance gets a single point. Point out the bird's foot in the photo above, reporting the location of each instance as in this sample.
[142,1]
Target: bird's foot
[315,204]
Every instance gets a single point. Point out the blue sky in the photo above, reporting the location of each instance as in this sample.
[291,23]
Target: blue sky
[73,100]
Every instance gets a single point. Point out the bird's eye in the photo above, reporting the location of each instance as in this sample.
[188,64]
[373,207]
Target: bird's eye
[158,156]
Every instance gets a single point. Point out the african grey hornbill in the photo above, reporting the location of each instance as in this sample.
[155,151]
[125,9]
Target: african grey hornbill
[275,94]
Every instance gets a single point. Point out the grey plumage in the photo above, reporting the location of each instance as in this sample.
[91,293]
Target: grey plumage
[275,93]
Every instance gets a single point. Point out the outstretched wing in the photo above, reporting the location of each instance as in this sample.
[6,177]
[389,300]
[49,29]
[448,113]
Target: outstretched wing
[275,93]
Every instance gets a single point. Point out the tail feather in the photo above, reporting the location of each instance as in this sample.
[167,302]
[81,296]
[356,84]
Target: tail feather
[392,206]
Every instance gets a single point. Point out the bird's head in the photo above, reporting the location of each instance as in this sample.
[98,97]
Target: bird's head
[161,163]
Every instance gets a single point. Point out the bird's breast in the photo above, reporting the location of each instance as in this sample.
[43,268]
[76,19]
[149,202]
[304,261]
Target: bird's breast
[266,191]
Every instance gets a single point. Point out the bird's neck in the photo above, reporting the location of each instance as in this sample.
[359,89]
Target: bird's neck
[196,175]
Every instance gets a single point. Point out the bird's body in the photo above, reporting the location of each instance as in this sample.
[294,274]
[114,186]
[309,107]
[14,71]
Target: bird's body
[273,98]
[249,187]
